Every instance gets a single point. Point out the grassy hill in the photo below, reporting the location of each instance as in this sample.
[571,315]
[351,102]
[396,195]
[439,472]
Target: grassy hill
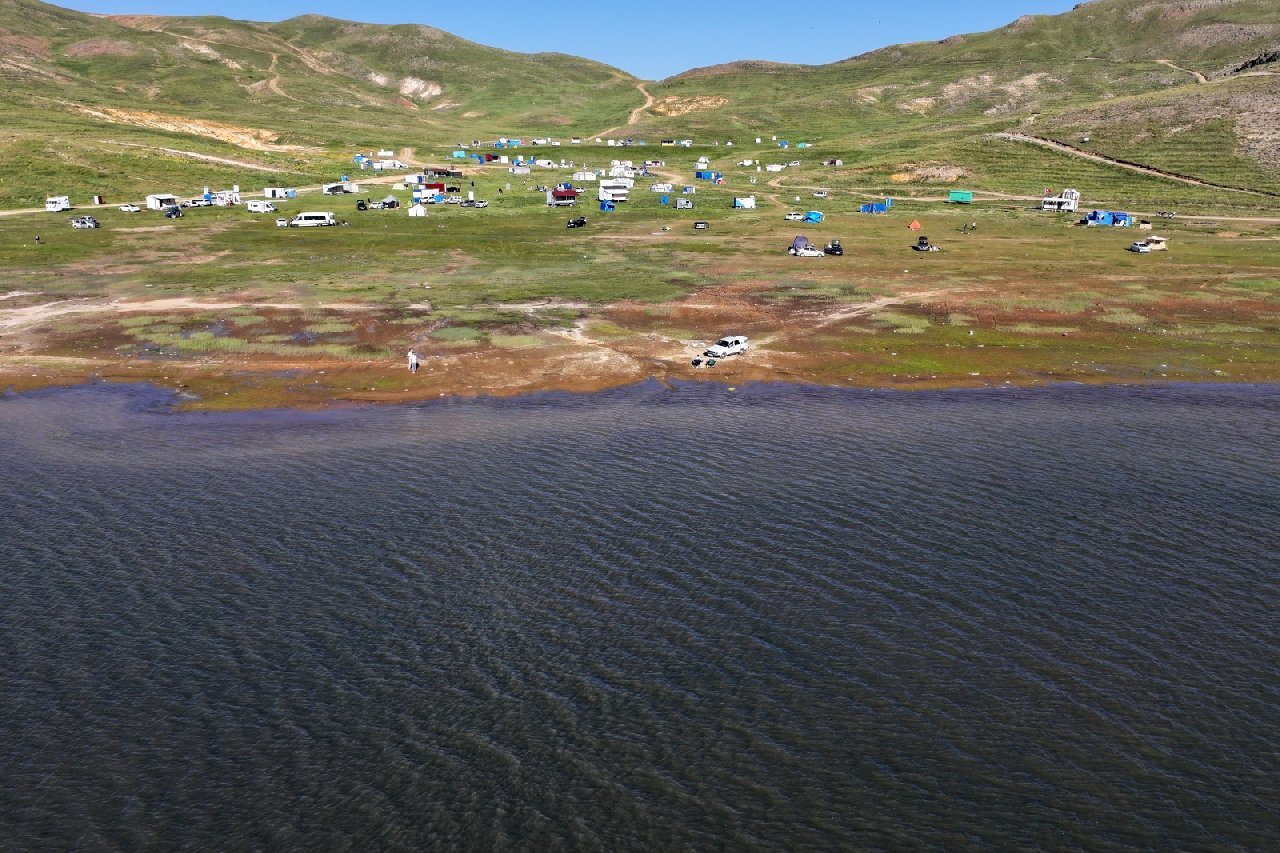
[126,104]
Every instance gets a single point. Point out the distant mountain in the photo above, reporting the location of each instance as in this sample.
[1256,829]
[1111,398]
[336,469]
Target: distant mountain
[1190,86]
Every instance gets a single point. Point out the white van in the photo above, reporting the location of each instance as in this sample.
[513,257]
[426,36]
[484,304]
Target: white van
[259,206]
[308,219]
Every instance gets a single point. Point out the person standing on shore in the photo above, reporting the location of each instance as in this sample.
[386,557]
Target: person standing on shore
[413,362]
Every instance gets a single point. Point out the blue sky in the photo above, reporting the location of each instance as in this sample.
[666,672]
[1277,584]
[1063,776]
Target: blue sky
[651,39]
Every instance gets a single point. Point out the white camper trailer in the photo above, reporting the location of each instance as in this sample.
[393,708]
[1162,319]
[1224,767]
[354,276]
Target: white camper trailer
[161,201]
[256,205]
[615,189]
[57,203]
[1067,202]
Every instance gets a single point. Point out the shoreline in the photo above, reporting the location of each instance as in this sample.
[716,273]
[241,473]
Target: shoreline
[181,399]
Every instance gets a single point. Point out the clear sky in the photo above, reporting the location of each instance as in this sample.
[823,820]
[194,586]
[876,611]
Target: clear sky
[651,39]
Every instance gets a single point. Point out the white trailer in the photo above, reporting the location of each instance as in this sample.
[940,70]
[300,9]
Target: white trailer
[615,189]
[259,206]
[1067,202]
[161,201]
[57,203]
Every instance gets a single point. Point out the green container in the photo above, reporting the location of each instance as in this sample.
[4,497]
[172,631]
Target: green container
[961,196]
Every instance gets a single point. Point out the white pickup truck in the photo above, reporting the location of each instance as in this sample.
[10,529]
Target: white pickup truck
[726,346]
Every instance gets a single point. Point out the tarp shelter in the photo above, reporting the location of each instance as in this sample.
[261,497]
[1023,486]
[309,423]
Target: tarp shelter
[459,155]
[799,243]
[1158,244]
[160,201]
[814,216]
[391,202]
[1113,218]
[961,197]
[915,225]
[747,203]
[418,210]
[607,206]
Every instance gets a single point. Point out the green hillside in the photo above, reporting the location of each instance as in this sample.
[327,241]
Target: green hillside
[129,104]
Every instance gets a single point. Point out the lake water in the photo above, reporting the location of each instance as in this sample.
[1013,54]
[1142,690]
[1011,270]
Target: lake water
[649,619]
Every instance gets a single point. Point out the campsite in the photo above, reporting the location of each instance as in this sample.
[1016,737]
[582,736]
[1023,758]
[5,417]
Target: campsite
[504,299]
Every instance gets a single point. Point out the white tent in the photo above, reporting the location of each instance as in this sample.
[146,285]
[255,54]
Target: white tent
[418,209]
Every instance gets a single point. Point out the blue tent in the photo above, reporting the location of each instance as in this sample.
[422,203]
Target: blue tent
[607,206]
[814,216]
[665,199]
[1115,218]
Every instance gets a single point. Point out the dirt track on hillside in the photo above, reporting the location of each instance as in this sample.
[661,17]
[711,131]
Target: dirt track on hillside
[1014,136]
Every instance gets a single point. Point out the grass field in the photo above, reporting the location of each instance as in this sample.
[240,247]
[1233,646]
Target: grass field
[507,299]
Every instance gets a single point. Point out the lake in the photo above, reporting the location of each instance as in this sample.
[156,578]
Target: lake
[775,617]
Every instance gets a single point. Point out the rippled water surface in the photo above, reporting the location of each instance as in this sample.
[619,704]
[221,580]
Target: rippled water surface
[776,618]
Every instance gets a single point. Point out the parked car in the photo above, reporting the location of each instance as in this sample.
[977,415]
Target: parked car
[923,245]
[1142,247]
[481,203]
[282,222]
[466,202]
[794,216]
[580,222]
[361,204]
[129,208]
[808,251]
[820,194]
[84,222]
[701,225]
[726,346]
[834,248]
[794,163]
